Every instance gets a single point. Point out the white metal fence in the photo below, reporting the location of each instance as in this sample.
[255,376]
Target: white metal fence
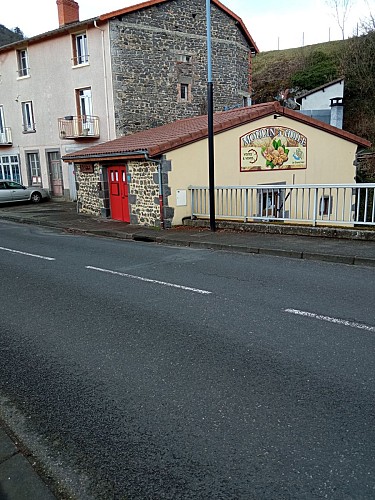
[334,204]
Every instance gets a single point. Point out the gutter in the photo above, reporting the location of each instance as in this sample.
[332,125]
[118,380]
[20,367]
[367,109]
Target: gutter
[98,156]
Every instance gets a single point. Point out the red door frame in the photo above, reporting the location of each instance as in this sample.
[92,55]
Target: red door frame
[119,193]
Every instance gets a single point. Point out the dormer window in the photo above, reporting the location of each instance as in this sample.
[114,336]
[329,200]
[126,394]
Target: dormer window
[80,49]
[23,63]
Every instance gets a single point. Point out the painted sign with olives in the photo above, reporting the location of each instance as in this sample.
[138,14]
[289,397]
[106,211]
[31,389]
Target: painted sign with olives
[273,148]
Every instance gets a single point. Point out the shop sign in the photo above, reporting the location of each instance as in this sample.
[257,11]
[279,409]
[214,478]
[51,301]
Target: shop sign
[86,168]
[273,148]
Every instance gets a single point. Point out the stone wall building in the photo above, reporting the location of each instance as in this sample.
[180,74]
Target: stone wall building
[159,62]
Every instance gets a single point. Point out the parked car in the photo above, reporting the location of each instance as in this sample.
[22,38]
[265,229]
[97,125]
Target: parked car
[13,191]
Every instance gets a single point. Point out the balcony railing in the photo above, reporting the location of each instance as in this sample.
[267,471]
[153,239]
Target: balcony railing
[327,204]
[6,136]
[79,127]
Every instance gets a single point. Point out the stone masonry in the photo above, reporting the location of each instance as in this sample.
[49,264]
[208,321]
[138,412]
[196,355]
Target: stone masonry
[157,49]
[144,202]
[144,193]
[87,191]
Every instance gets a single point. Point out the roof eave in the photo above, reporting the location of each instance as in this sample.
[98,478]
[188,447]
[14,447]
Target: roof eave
[128,155]
[67,28]
[312,122]
[150,3]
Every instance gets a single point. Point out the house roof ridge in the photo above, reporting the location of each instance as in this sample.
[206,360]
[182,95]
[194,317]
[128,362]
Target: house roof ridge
[48,34]
[118,12]
[150,3]
[159,140]
[321,87]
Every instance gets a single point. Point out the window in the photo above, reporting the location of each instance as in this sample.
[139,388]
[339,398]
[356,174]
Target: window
[84,111]
[5,137]
[80,50]
[23,63]
[184,92]
[184,58]
[33,165]
[246,101]
[28,117]
[325,206]
[10,168]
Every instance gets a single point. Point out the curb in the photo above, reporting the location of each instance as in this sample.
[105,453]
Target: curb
[149,238]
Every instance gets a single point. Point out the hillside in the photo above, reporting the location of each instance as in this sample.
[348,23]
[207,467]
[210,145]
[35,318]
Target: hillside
[9,36]
[305,68]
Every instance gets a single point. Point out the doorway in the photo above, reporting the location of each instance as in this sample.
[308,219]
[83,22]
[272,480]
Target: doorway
[119,193]
[55,172]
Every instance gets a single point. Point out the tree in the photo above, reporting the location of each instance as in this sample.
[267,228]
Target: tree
[368,24]
[320,68]
[341,10]
[358,68]
[18,32]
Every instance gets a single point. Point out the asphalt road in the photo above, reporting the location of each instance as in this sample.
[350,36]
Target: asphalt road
[137,371]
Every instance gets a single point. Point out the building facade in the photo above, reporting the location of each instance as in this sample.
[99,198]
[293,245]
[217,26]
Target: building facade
[92,81]
[145,178]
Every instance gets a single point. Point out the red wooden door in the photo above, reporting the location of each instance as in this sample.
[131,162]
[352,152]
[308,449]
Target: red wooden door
[118,194]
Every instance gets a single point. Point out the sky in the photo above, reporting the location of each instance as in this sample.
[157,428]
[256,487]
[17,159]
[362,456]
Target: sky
[272,24]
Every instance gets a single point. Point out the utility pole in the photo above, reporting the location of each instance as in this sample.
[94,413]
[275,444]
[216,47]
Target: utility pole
[210,106]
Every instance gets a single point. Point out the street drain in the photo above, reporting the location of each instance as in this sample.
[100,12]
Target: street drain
[144,238]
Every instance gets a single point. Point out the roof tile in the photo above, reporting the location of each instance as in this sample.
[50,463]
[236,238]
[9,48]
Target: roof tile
[157,141]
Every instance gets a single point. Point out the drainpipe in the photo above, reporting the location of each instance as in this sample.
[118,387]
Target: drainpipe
[161,198]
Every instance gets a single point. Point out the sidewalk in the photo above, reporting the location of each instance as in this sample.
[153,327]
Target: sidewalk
[18,479]
[63,215]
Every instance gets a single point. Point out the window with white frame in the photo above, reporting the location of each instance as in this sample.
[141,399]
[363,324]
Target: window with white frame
[23,63]
[10,168]
[28,117]
[33,166]
[80,49]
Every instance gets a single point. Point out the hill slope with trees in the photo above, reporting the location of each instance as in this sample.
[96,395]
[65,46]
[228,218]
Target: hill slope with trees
[9,36]
[305,68]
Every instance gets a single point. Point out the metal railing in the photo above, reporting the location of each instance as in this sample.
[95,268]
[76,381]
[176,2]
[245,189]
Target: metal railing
[79,127]
[328,204]
[6,136]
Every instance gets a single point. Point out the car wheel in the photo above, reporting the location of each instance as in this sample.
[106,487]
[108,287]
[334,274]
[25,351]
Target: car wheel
[36,197]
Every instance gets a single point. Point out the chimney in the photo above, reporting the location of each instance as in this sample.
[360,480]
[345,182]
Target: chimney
[68,11]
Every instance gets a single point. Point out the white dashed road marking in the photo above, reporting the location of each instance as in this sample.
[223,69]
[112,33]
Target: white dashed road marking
[157,282]
[338,321]
[25,253]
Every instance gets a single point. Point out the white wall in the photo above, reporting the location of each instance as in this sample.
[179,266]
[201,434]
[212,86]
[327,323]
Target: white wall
[51,88]
[322,98]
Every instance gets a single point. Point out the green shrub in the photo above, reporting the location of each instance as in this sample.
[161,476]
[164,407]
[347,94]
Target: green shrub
[320,68]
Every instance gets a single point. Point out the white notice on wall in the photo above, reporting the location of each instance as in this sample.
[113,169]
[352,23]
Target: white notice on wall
[181,197]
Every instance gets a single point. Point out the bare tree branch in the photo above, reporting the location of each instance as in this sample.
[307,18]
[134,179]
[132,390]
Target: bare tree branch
[341,10]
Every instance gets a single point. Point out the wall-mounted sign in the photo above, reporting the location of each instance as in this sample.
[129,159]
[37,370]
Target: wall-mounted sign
[273,148]
[86,168]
